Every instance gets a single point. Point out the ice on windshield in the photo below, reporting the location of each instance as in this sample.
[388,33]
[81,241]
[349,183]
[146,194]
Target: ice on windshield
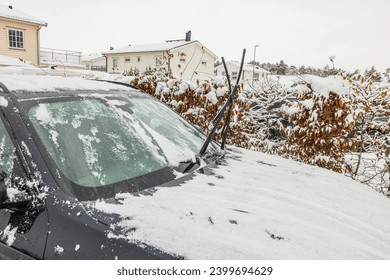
[101,141]
[91,144]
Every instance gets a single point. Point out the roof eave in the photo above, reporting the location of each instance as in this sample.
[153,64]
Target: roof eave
[124,52]
[40,23]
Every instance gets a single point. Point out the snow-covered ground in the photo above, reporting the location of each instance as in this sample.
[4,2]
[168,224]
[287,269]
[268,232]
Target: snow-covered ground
[258,206]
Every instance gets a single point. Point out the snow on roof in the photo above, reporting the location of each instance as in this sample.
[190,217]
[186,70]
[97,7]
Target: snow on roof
[259,206]
[47,71]
[156,47]
[61,64]
[246,67]
[40,83]
[249,67]
[91,56]
[11,61]
[15,14]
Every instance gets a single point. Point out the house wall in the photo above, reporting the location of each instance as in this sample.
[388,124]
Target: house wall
[247,75]
[147,59]
[31,40]
[198,64]
[188,66]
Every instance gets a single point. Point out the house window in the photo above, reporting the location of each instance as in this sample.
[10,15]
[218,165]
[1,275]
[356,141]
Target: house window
[256,77]
[115,62]
[182,60]
[127,59]
[16,39]
[158,61]
[204,62]
[138,59]
[234,75]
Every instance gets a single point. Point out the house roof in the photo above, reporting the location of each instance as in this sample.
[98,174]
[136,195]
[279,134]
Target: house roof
[246,67]
[11,61]
[91,57]
[155,47]
[15,14]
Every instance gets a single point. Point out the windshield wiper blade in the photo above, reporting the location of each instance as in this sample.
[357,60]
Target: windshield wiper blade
[219,116]
[225,128]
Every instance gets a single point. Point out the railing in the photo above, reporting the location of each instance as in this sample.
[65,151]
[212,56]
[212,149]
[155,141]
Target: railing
[60,56]
[98,68]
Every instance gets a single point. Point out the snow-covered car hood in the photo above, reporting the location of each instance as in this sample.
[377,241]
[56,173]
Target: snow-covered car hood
[258,206]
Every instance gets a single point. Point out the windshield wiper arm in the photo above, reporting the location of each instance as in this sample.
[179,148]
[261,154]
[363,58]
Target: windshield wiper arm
[219,116]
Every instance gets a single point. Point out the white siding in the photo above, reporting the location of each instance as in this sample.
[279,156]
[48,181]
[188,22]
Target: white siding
[31,40]
[198,64]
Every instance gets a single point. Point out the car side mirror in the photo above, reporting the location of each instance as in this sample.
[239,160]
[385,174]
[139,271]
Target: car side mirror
[15,197]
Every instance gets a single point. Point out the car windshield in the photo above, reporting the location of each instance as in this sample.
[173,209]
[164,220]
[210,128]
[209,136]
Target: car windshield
[101,140]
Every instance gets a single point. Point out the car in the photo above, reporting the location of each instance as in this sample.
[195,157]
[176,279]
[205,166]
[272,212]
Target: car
[61,144]
[99,170]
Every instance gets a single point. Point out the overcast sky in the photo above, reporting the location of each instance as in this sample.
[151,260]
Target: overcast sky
[301,32]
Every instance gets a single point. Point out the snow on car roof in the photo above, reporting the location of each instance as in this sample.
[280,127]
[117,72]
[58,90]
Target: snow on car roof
[12,13]
[259,206]
[39,83]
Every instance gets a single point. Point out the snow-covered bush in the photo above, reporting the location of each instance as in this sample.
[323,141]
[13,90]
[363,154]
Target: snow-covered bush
[320,124]
[371,107]
[267,98]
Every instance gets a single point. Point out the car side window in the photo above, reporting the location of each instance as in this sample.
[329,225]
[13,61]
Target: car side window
[7,153]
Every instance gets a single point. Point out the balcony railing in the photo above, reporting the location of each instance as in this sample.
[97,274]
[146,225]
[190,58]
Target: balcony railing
[58,56]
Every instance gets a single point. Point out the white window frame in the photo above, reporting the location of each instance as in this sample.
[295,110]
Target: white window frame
[127,59]
[159,60]
[138,59]
[18,34]
[204,62]
[115,62]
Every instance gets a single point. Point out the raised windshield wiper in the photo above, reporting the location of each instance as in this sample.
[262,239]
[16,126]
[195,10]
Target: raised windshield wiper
[229,102]
[190,165]
[225,127]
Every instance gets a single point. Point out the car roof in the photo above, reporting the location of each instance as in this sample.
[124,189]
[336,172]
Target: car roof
[40,83]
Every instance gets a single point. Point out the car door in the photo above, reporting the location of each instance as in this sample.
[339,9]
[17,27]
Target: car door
[23,231]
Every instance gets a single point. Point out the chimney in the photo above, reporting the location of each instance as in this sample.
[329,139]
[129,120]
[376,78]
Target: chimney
[188,35]
[10,7]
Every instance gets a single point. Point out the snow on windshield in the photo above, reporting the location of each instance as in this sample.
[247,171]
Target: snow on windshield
[107,139]
[91,144]
[258,206]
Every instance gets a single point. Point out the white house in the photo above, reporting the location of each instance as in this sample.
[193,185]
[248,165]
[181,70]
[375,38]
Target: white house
[94,61]
[184,58]
[249,73]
